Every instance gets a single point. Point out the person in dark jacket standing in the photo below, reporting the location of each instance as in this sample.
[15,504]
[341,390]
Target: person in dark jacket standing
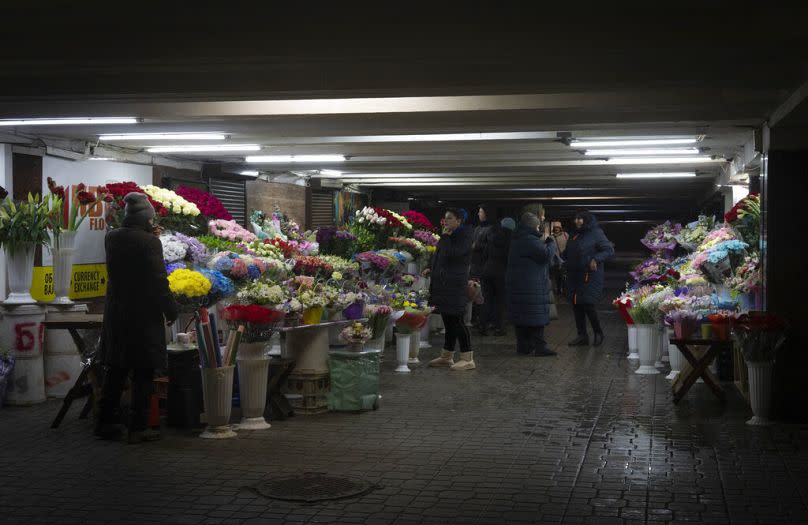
[479,253]
[493,278]
[587,250]
[448,289]
[527,284]
[138,305]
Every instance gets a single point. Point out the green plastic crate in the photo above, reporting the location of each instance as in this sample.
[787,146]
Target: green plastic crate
[354,381]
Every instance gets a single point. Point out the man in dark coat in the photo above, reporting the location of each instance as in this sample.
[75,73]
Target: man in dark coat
[587,250]
[493,278]
[527,285]
[138,304]
[448,289]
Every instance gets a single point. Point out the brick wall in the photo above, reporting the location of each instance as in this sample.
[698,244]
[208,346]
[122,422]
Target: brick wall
[262,195]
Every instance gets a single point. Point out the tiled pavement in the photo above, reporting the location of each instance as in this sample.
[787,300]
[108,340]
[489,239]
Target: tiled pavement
[572,439]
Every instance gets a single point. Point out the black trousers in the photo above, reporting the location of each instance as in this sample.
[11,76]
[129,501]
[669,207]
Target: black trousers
[582,312]
[530,339]
[493,306]
[456,330]
[110,402]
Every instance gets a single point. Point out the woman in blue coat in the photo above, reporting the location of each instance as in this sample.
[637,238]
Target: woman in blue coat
[587,250]
[527,285]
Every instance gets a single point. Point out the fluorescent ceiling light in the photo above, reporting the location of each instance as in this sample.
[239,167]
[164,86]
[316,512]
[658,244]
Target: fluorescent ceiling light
[203,148]
[68,121]
[585,144]
[591,198]
[285,159]
[662,160]
[648,151]
[672,175]
[249,173]
[162,136]
[100,158]
[448,137]
[331,173]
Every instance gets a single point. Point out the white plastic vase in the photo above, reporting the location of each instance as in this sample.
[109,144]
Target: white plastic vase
[676,359]
[63,251]
[647,343]
[217,389]
[666,345]
[20,271]
[415,347]
[402,352]
[632,342]
[760,391]
[660,347]
[253,375]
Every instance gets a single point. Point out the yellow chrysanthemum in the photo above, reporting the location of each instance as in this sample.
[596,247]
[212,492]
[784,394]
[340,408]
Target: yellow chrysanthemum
[188,283]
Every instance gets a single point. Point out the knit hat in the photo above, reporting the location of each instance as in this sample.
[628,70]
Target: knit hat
[138,208]
[508,223]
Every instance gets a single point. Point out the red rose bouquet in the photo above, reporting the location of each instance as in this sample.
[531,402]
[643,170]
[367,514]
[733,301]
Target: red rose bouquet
[418,220]
[258,321]
[759,335]
[312,266]
[208,205]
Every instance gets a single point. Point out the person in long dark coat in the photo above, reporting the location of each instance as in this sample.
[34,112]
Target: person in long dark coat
[493,278]
[138,305]
[527,285]
[448,289]
[587,251]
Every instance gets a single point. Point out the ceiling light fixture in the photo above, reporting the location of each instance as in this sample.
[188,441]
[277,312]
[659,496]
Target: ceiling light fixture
[250,173]
[163,136]
[203,148]
[586,144]
[288,159]
[663,160]
[448,137]
[78,121]
[671,175]
[648,151]
[100,158]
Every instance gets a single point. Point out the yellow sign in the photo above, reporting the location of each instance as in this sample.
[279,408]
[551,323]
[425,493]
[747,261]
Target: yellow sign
[89,280]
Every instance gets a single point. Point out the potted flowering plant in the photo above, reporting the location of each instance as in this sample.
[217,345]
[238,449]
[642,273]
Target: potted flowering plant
[23,227]
[759,336]
[356,335]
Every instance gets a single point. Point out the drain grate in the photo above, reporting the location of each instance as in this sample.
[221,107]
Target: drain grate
[311,487]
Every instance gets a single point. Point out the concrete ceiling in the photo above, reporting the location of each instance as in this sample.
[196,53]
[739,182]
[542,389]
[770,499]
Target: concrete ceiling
[310,83]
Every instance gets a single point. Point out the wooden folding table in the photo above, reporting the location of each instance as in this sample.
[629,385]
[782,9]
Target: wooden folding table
[698,353]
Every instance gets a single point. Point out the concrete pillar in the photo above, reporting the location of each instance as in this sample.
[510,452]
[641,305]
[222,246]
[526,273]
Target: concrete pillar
[6,181]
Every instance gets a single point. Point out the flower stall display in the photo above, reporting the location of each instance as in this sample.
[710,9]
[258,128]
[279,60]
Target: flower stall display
[356,335]
[189,288]
[693,234]
[344,267]
[427,238]
[662,237]
[265,250]
[338,242]
[262,293]
[414,247]
[312,266]
[23,227]
[652,269]
[208,205]
[115,211]
[277,225]
[238,267]
[419,221]
[745,218]
[231,231]
[718,262]
[372,265]
[171,201]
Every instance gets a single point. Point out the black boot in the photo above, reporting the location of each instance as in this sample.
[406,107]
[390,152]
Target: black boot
[581,340]
[598,339]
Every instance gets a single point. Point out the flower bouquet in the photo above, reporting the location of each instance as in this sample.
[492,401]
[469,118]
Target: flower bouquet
[694,233]
[221,287]
[378,318]
[82,201]
[356,334]
[231,231]
[623,304]
[182,216]
[258,321]
[412,246]
[372,265]
[115,211]
[652,269]
[208,205]
[190,289]
[353,304]
[745,218]
[197,253]
[238,267]
[173,249]
[685,322]
[262,293]
[759,336]
[265,250]
[717,262]
[312,266]
[412,312]
[313,302]
[419,221]
[662,237]
[335,241]
[427,238]
[720,322]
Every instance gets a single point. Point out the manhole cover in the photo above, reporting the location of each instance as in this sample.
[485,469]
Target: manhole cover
[311,487]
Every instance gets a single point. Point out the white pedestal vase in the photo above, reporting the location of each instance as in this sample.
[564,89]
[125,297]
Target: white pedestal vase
[632,342]
[412,268]
[676,359]
[20,271]
[425,337]
[659,348]
[402,352]
[63,251]
[666,345]
[760,391]
[217,389]
[415,347]
[647,343]
[252,380]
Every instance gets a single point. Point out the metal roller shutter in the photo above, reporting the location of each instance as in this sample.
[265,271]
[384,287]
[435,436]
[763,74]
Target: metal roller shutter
[322,208]
[233,194]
